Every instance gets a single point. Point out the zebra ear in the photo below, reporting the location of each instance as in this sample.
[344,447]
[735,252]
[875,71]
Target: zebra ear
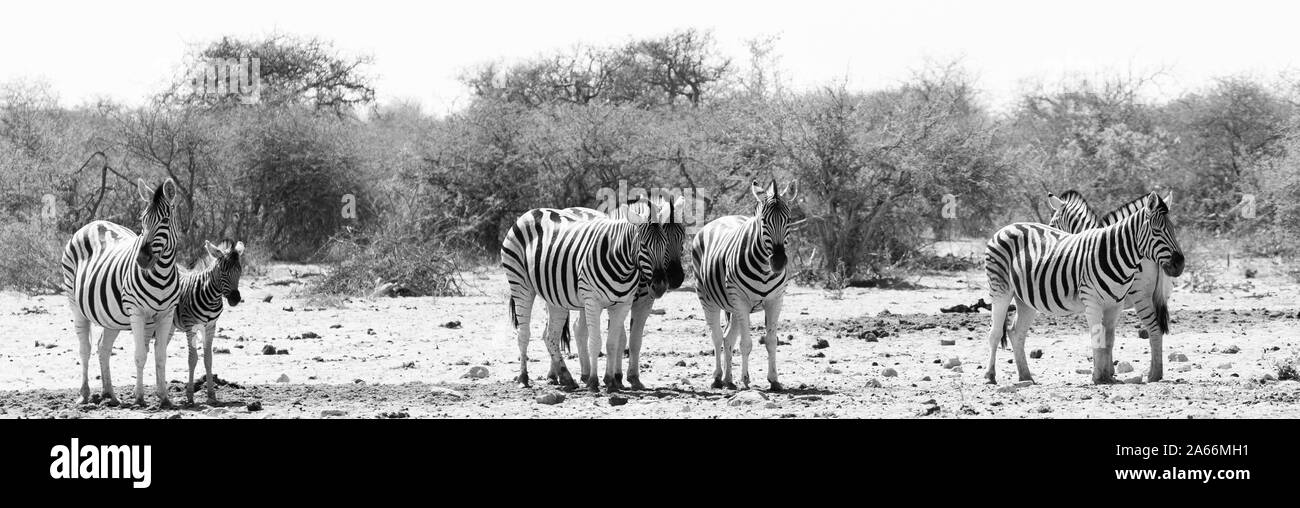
[771,189]
[757,189]
[212,250]
[791,190]
[142,189]
[169,190]
[1054,201]
[1153,201]
[1169,198]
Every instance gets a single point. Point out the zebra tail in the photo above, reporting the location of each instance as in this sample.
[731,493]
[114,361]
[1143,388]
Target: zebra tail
[514,318]
[565,335]
[1160,299]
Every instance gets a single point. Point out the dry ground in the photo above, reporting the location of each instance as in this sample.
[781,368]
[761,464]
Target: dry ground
[392,357]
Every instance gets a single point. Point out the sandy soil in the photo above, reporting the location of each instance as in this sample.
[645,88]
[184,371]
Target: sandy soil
[393,358]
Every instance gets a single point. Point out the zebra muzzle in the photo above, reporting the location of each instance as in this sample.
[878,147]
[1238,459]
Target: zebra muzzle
[1174,267]
[233,298]
[778,258]
[658,284]
[676,275]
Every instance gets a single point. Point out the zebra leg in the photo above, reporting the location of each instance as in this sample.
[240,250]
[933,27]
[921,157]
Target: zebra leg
[1024,318]
[580,336]
[715,330]
[1102,370]
[771,318]
[521,314]
[636,330]
[106,339]
[209,332]
[614,343]
[614,356]
[746,346]
[82,325]
[1150,304]
[555,324]
[139,333]
[997,334]
[729,345]
[1109,318]
[162,335]
[193,361]
[592,312]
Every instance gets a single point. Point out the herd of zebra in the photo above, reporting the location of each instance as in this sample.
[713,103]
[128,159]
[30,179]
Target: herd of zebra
[579,259]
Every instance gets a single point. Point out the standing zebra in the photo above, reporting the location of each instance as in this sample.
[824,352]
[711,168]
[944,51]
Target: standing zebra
[120,281]
[200,305]
[578,263]
[1048,270]
[1149,294]
[740,268]
[675,234]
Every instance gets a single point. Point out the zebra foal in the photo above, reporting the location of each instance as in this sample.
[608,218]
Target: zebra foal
[200,305]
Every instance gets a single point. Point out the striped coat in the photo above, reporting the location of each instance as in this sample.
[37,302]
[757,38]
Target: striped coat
[200,305]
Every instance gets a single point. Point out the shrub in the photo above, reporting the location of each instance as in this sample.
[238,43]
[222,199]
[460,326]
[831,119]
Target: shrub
[32,251]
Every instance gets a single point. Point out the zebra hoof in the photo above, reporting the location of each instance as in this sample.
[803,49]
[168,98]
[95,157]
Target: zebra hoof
[729,385]
[212,401]
[139,401]
[717,383]
[635,382]
[85,395]
[109,399]
[776,387]
[165,403]
[522,380]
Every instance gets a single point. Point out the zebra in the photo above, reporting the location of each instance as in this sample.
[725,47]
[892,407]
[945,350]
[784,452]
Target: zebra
[200,305]
[120,281]
[740,268]
[579,263]
[1151,287]
[675,233]
[1051,271]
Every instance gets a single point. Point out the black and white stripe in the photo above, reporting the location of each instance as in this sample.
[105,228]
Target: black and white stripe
[739,269]
[675,237]
[118,280]
[1149,294]
[576,262]
[200,305]
[1048,270]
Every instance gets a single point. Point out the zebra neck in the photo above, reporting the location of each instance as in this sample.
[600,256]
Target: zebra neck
[756,255]
[206,292]
[1126,244]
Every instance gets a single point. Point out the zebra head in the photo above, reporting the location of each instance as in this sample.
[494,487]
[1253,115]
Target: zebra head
[227,268]
[156,238]
[675,235]
[1161,243]
[774,214]
[652,255]
[1071,213]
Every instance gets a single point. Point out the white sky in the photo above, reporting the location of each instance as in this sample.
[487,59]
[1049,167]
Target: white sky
[127,50]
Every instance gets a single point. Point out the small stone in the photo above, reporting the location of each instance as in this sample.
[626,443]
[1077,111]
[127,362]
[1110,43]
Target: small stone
[1269,377]
[255,405]
[268,349]
[1232,350]
[617,400]
[1135,380]
[821,344]
[1225,366]
[1183,368]
[929,409]
[267,299]
[889,372]
[1116,398]
[951,362]
[956,369]
[335,326]
[873,383]
[551,398]
[442,390]
[333,412]
[1177,357]
[284,378]
[1043,408]
[1124,367]
[833,370]
[1007,389]
[926,378]
[476,372]
[1036,354]
[451,324]
[947,342]
[746,398]
[282,351]
[310,335]
[680,363]
[1086,372]
[1144,334]
[1023,384]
